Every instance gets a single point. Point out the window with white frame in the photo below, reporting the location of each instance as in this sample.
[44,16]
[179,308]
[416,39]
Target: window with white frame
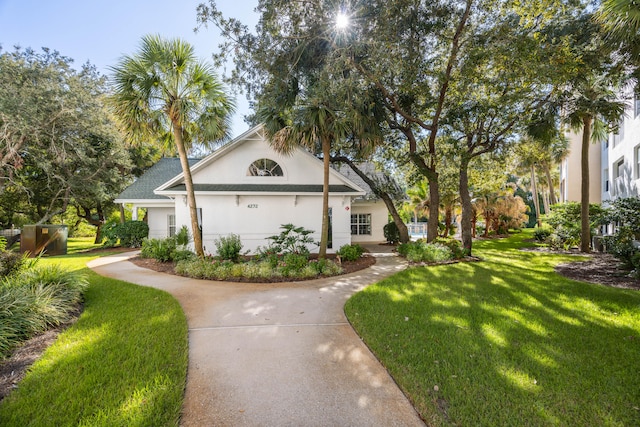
[605,178]
[360,224]
[171,225]
[636,106]
[619,168]
[619,135]
[264,167]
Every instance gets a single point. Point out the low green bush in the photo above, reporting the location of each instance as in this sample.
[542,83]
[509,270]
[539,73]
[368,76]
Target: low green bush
[350,252]
[228,247]
[453,244]
[292,266]
[159,249]
[169,249]
[420,251]
[391,233]
[12,263]
[130,234]
[36,299]
[542,233]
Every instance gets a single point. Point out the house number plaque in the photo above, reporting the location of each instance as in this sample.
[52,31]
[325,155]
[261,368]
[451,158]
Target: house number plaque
[252,206]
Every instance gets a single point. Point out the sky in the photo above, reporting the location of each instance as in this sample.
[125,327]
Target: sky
[101,32]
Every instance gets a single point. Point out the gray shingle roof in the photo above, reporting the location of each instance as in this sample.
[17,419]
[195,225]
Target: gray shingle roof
[154,177]
[369,169]
[271,188]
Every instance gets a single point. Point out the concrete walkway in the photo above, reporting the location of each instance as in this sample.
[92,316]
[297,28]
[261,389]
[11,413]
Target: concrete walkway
[277,354]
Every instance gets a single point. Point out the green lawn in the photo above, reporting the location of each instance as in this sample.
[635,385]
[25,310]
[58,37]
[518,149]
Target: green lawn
[122,364]
[506,341]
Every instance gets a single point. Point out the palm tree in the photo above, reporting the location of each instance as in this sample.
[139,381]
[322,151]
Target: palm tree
[312,121]
[164,93]
[591,99]
[621,18]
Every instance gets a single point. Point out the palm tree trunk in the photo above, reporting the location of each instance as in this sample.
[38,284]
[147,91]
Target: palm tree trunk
[552,192]
[324,236]
[191,196]
[534,194]
[585,228]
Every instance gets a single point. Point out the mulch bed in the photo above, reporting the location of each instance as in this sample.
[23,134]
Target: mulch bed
[168,267]
[14,368]
[601,269]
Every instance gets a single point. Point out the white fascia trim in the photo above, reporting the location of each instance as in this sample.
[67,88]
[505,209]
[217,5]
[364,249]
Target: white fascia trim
[204,162]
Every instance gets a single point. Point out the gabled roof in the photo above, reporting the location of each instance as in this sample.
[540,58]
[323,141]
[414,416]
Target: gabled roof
[155,176]
[176,185]
[369,169]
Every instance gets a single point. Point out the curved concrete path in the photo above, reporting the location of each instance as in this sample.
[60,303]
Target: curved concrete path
[277,354]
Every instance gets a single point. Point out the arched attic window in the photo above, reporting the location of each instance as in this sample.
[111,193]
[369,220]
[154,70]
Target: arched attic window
[264,167]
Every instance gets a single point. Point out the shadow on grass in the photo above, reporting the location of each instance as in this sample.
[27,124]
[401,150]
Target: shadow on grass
[506,339]
[122,363]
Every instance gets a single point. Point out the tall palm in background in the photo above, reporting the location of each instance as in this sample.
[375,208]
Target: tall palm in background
[590,100]
[164,93]
[311,122]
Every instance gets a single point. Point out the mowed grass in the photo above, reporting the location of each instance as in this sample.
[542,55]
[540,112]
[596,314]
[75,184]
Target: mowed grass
[506,341]
[123,363]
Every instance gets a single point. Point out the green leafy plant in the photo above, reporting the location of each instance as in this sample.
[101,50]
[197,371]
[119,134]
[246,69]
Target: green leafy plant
[453,244]
[159,249]
[420,251]
[350,252]
[130,234]
[292,240]
[542,233]
[391,233]
[228,247]
[36,299]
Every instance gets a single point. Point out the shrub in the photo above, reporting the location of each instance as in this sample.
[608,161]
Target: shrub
[621,246]
[12,263]
[564,220]
[453,244]
[292,240]
[159,249]
[292,263]
[293,266]
[34,300]
[130,233]
[350,252]
[391,233]
[542,233]
[421,251]
[228,247]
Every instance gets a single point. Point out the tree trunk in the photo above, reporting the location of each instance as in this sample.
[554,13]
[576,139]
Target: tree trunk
[122,217]
[384,196]
[467,208]
[434,209]
[545,201]
[585,235]
[447,220]
[474,221]
[552,192]
[191,196]
[534,195]
[324,234]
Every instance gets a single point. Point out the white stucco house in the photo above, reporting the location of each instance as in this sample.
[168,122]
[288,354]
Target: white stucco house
[247,188]
[614,163]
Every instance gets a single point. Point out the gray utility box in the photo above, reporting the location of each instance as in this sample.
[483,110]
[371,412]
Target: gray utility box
[47,238]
